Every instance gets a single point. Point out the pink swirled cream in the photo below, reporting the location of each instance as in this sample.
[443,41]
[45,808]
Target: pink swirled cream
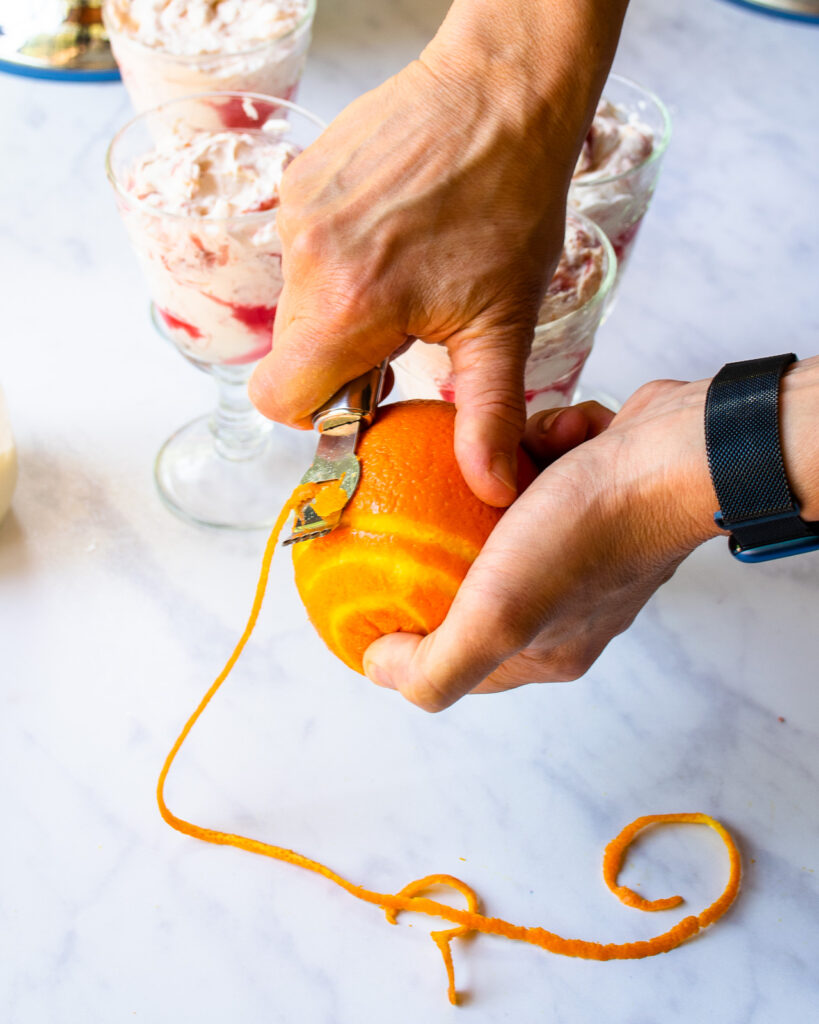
[615,174]
[578,275]
[616,143]
[200,208]
[171,48]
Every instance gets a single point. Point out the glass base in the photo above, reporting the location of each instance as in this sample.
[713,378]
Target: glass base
[205,487]
[583,393]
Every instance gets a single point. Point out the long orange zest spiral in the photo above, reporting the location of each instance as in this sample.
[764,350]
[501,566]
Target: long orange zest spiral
[410,898]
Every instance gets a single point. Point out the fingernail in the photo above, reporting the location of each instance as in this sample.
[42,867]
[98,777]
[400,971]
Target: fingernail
[549,421]
[377,675]
[502,469]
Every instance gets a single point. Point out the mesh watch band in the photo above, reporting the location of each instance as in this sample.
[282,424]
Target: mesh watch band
[745,459]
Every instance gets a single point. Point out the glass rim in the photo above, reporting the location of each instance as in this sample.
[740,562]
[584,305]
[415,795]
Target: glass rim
[657,151]
[191,58]
[154,211]
[606,282]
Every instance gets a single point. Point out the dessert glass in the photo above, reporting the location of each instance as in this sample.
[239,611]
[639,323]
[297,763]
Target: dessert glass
[154,76]
[215,283]
[619,202]
[560,346]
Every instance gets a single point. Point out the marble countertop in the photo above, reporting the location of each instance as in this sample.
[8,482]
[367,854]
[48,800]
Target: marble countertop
[114,617]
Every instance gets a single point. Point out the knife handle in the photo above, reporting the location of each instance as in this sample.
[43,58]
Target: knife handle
[354,403]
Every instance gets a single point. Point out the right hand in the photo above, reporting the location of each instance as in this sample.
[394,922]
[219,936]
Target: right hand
[432,207]
[622,501]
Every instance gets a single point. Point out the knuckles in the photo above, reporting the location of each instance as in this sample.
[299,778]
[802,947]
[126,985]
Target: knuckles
[305,244]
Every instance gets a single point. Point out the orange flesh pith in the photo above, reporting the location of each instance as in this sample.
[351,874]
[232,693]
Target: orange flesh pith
[470,919]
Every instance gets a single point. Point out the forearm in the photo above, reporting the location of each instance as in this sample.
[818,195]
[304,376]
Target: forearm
[799,407]
[545,60]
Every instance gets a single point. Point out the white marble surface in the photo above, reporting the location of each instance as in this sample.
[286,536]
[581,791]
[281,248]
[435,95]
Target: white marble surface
[114,617]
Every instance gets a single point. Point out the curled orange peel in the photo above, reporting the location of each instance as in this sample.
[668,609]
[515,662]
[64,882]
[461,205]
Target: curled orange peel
[471,919]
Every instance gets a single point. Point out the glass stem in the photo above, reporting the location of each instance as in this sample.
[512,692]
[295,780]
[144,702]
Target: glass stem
[239,431]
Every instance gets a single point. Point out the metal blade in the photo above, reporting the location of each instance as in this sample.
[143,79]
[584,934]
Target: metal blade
[339,422]
[335,459]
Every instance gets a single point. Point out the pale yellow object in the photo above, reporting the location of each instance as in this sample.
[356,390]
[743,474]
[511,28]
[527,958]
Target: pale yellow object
[8,459]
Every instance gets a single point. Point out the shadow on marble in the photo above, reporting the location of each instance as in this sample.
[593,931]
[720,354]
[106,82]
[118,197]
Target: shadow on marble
[72,504]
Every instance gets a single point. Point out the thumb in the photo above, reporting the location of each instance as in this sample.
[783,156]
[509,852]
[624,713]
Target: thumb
[436,670]
[489,396]
[495,615]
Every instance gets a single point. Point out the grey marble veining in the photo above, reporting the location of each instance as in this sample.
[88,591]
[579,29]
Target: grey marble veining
[114,617]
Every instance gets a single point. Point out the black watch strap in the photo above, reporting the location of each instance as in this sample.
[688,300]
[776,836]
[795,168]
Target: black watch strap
[742,441]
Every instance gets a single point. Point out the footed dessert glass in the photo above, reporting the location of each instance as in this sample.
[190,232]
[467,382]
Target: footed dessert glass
[215,283]
[153,75]
[619,202]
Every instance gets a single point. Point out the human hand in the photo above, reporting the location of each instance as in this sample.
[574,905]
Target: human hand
[572,562]
[421,212]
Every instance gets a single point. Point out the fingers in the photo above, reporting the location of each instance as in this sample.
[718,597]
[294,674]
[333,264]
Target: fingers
[435,671]
[424,669]
[552,433]
[394,662]
[571,563]
[496,613]
[334,321]
[310,361]
[491,411]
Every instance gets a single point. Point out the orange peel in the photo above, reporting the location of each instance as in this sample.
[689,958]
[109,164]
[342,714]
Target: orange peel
[330,499]
[471,919]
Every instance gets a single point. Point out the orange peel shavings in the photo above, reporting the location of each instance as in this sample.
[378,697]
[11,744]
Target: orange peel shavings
[330,499]
[409,898]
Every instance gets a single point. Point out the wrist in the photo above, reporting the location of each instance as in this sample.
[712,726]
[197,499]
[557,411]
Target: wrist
[667,467]
[799,413]
[542,63]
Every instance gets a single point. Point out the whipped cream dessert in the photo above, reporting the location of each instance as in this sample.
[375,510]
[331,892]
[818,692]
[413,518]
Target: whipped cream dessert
[611,183]
[201,212]
[190,27]
[167,49]
[8,460]
[568,318]
[617,142]
[578,275]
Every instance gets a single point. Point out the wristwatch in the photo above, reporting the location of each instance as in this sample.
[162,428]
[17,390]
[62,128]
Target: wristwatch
[742,441]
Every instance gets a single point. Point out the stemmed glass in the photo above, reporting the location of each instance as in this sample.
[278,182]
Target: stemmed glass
[153,75]
[618,202]
[215,283]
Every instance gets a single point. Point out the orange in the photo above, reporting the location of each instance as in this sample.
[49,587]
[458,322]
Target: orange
[406,539]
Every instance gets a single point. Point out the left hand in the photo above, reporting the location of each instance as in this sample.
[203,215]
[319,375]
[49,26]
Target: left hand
[575,558]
